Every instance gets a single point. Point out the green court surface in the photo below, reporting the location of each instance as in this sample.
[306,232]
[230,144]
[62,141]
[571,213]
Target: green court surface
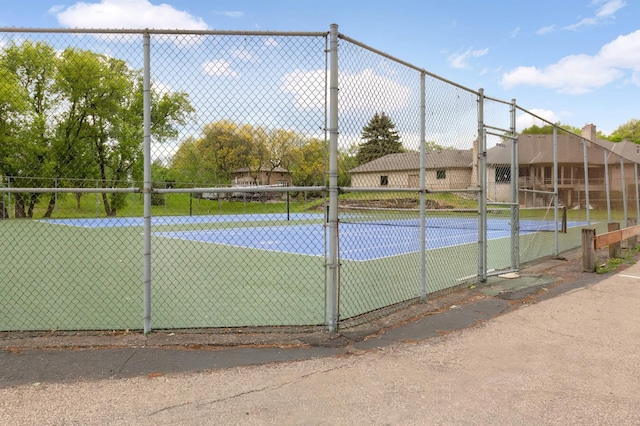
[58,277]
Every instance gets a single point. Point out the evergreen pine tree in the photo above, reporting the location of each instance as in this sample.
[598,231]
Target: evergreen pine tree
[380,138]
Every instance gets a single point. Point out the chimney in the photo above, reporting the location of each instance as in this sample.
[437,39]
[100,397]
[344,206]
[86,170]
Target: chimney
[589,132]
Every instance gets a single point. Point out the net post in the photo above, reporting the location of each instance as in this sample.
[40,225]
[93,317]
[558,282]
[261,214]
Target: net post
[564,219]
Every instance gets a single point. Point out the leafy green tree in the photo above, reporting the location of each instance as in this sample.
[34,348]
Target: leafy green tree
[346,161]
[30,98]
[433,146]
[380,138]
[281,147]
[628,131]
[76,114]
[309,163]
[103,129]
[222,148]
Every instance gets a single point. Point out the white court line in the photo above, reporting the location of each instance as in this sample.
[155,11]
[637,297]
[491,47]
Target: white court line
[630,276]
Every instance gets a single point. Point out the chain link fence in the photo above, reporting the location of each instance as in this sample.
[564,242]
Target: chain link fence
[235,179]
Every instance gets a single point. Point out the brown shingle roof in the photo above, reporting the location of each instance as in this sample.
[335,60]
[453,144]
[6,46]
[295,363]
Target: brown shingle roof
[445,159]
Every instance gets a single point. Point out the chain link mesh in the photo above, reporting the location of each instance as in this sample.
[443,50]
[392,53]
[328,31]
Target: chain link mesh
[239,162]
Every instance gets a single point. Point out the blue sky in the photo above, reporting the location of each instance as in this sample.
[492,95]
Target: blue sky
[573,61]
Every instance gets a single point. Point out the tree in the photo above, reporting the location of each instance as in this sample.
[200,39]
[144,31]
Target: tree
[104,123]
[29,99]
[222,148]
[380,138]
[309,163]
[629,131]
[76,113]
[346,161]
[433,146]
[547,129]
[281,148]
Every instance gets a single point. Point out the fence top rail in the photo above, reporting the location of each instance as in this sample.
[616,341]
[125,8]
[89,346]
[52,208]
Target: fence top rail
[502,101]
[161,31]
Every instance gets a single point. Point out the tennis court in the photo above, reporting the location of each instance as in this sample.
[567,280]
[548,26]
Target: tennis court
[225,270]
[362,237]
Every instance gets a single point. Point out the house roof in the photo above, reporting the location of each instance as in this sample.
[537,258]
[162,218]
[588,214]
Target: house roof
[538,149]
[443,159]
[262,169]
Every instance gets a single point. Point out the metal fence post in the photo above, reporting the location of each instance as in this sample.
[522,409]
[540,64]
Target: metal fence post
[482,194]
[624,192]
[515,199]
[606,185]
[147,181]
[635,173]
[423,195]
[586,181]
[333,261]
[556,246]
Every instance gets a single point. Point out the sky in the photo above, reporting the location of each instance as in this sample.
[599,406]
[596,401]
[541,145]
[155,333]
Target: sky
[571,61]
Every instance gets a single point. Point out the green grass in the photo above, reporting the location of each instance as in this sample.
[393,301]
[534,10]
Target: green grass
[612,264]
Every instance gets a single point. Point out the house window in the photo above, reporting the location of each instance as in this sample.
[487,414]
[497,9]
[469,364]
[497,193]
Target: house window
[384,180]
[503,174]
[441,174]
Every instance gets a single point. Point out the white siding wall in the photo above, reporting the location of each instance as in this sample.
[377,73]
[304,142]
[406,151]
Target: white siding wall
[454,179]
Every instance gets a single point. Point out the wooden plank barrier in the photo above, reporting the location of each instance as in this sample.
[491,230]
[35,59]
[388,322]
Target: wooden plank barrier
[592,242]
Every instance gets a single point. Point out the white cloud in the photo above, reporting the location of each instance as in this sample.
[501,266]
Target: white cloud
[127,14]
[606,13]
[270,42]
[515,32]
[546,30]
[243,55]
[229,13]
[308,89]
[460,60]
[576,74]
[219,68]
[525,120]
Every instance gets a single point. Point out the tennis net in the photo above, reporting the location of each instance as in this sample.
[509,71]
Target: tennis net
[531,219]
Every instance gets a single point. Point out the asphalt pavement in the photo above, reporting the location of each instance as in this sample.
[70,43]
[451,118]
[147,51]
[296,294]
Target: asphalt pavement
[550,346]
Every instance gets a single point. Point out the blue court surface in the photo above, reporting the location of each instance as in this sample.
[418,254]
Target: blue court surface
[358,241]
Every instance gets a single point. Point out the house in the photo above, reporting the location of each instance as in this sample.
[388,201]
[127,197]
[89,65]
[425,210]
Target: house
[536,164]
[445,169]
[264,177]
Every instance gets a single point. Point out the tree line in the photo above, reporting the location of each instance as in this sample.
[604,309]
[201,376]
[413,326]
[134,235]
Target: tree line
[80,113]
